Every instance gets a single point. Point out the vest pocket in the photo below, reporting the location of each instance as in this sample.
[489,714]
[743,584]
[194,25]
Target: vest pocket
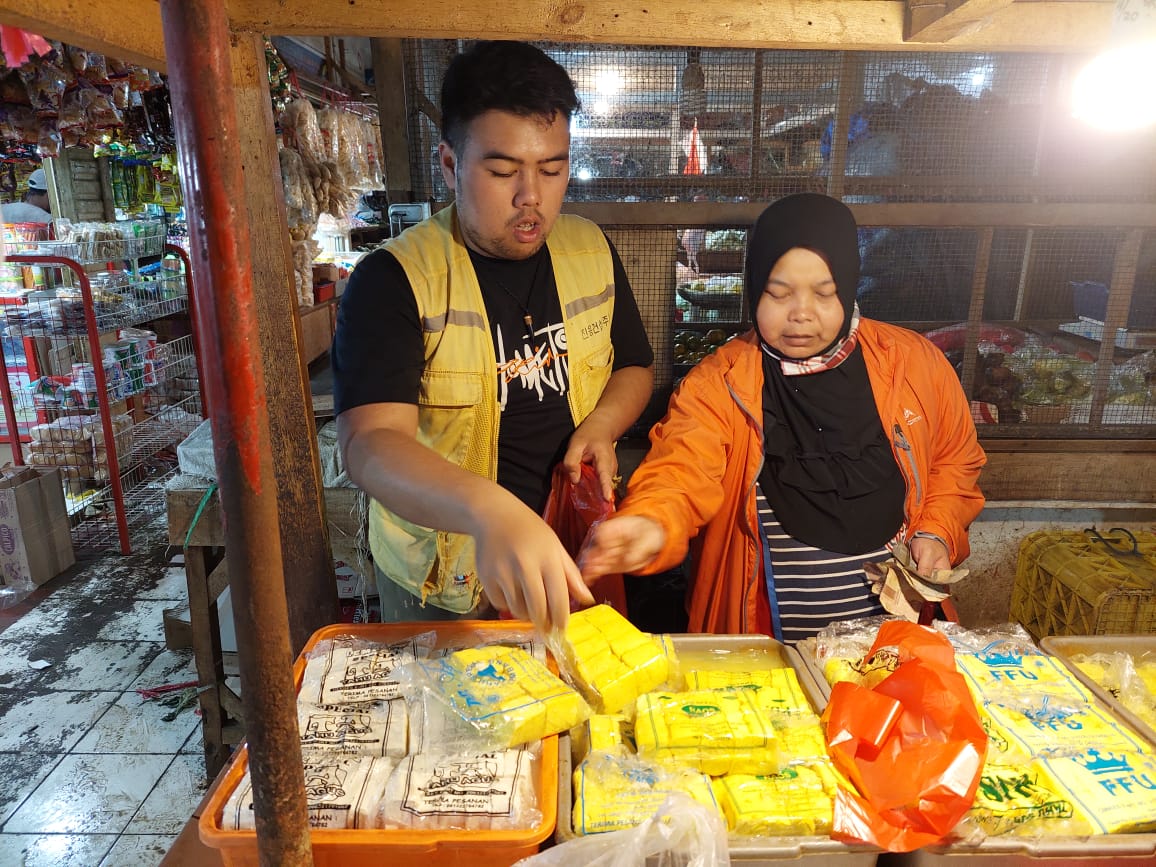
[595,360]
[448,405]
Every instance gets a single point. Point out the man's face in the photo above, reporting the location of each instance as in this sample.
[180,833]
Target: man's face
[509,176]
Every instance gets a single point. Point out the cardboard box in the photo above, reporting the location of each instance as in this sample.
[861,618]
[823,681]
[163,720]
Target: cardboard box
[35,543]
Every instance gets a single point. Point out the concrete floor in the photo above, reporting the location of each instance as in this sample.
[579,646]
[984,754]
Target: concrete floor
[92,772]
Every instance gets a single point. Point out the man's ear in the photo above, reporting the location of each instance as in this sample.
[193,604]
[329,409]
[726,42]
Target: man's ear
[448,161]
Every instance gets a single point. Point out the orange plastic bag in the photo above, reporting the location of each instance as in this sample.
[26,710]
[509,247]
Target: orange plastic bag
[571,511]
[913,746]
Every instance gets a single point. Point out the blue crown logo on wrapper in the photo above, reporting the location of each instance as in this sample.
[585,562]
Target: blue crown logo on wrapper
[1107,763]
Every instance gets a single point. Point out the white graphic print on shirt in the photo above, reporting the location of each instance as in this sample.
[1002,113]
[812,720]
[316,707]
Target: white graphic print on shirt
[539,367]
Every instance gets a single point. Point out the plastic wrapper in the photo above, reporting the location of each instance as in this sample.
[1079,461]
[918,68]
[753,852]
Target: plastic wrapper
[346,670]
[1132,681]
[714,731]
[487,698]
[475,792]
[602,733]
[1133,383]
[797,801]
[468,638]
[776,690]
[1014,799]
[1018,680]
[674,679]
[607,658]
[1111,792]
[912,747]
[572,511]
[1050,377]
[340,792]
[299,123]
[614,792]
[681,833]
[329,123]
[1031,729]
[373,728]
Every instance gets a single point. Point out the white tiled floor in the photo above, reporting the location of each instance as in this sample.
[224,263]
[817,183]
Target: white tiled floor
[92,774]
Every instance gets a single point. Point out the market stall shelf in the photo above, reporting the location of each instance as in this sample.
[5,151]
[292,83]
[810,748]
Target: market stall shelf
[99,396]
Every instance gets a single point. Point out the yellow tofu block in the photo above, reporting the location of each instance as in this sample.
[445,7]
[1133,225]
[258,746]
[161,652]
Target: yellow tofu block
[1017,735]
[870,675]
[674,678]
[716,731]
[1014,800]
[1115,792]
[1011,678]
[801,742]
[794,802]
[611,793]
[612,661]
[508,695]
[714,679]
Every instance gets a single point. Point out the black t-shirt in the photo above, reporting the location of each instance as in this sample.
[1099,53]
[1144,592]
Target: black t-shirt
[378,354]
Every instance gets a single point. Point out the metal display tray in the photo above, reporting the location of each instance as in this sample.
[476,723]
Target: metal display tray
[747,851]
[1027,851]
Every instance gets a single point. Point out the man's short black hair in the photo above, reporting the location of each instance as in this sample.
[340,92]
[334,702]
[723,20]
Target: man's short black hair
[506,76]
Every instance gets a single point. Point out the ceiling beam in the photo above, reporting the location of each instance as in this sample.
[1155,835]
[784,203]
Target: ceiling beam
[129,30]
[943,20]
[999,25]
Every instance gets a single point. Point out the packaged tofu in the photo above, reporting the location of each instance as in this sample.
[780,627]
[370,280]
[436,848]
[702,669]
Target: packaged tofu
[346,669]
[1112,792]
[487,698]
[714,731]
[1016,679]
[797,801]
[1015,799]
[374,728]
[480,792]
[602,733]
[613,792]
[608,659]
[1017,734]
[340,791]
[774,689]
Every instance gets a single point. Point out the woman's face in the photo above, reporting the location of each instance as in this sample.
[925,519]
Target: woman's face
[799,313]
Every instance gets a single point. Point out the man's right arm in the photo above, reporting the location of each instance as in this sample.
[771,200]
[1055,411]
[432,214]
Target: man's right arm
[377,360]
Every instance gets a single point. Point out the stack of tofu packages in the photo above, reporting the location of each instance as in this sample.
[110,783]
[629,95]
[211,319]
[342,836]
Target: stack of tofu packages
[1058,762]
[418,735]
[730,728]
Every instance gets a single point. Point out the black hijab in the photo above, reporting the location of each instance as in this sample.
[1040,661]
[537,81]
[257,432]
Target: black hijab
[829,472]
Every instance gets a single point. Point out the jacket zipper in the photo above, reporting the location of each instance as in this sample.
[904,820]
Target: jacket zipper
[903,445]
[753,585]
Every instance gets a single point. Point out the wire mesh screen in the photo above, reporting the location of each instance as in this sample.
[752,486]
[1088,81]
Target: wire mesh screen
[1022,312]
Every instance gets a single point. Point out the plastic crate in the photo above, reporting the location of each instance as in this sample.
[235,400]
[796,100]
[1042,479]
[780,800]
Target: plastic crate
[1071,582]
[365,847]
[747,851]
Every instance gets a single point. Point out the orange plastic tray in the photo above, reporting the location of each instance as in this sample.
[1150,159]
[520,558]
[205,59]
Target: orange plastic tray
[354,848]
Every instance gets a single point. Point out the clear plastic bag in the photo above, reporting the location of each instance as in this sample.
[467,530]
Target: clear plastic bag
[682,833]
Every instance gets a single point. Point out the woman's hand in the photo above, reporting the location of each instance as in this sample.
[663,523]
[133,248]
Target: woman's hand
[928,555]
[621,544]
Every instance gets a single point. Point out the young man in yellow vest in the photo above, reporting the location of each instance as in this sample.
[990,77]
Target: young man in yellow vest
[480,348]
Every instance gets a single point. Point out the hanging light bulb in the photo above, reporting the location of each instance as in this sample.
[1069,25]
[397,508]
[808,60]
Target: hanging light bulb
[1117,89]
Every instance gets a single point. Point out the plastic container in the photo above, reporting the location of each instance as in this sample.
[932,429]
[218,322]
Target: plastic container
[362,848]
[748,851]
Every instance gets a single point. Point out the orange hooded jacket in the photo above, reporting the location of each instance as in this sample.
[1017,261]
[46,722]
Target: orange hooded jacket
[698,479]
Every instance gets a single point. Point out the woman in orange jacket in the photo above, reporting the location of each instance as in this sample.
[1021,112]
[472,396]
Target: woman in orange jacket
[802,450]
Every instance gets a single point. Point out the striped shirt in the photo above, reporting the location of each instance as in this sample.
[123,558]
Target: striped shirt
[813,587]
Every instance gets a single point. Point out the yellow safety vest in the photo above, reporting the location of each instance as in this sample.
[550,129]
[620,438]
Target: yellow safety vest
[458,413]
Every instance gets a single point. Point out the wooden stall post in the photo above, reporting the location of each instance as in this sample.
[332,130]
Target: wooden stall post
[201,79]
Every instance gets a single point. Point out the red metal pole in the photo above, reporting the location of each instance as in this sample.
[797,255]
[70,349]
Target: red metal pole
[204,113]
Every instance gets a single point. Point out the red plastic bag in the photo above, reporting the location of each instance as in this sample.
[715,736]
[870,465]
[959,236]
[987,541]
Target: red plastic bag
[571,511]
[913,746]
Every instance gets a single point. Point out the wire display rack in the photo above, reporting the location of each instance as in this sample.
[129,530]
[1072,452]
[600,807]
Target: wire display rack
[86,387]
